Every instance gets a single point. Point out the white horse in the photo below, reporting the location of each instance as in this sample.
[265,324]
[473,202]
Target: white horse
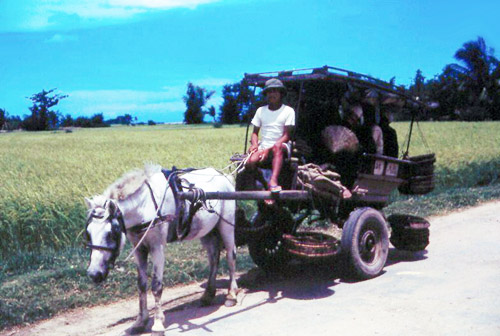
[132,203]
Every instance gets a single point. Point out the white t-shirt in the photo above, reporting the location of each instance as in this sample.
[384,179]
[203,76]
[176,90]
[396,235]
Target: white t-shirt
[272,123]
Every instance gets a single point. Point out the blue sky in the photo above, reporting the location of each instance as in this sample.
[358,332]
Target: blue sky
[137,56]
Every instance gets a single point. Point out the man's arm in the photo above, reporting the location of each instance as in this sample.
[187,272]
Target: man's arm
[254,139]
[285,137]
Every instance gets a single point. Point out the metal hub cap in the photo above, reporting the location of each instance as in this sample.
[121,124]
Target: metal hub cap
[368,246]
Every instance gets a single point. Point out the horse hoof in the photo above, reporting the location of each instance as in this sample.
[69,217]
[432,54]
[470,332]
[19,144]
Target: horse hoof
[230,302]
[231,299]
[158,328]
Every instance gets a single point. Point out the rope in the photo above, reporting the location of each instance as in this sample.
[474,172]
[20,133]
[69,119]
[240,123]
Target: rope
[239,165]
[152,221]
[423,138]
[406,142]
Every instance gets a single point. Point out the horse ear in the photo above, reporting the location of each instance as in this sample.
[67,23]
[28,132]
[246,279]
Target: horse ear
[112,207]
[89,203]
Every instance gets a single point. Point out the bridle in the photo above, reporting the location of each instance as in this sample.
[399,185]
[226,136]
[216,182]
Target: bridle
[117,228]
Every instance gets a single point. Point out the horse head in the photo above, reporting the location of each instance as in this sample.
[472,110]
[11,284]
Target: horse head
[105,235]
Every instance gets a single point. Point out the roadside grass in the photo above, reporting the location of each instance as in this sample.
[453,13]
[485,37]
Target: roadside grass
[40,285]
[45,176]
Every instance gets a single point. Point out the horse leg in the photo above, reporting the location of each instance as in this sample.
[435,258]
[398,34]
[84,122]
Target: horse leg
[227,233]
[141,260]
[211,242]
[158,258]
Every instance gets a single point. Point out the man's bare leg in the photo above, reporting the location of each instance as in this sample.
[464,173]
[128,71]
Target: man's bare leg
[277,163]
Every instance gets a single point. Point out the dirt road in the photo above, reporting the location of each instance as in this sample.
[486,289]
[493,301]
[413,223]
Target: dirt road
[452,289]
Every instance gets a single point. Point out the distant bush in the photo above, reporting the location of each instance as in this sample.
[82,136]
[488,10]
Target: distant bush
[125,119]
[9,123]
[96,120]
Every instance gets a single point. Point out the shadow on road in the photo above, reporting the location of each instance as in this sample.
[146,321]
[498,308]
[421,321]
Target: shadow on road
[298,281]
[396,256]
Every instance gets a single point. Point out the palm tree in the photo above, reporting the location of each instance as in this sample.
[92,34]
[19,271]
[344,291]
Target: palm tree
[478,75]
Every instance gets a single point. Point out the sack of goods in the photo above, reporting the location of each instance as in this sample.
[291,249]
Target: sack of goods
[339,138]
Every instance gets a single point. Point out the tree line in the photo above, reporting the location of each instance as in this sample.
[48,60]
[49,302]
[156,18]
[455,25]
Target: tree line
[467,90]
[43,116]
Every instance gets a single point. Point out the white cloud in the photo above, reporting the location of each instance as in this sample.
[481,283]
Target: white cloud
[212,82]
[159,4]
[59,38]
[94,9]
[50,14]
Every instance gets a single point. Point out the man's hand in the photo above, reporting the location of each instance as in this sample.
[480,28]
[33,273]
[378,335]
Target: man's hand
[263,154]
[278,146]
[253,148]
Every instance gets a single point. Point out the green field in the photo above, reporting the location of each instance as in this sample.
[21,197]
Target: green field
[45,176]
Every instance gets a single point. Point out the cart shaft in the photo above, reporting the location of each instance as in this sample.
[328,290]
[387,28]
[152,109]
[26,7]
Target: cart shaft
[289,195]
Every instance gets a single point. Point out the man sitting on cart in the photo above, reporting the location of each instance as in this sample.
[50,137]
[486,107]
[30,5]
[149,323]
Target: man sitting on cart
[274,122]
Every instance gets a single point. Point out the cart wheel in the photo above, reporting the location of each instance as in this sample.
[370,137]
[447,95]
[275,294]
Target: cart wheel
[365,243]
[267,250]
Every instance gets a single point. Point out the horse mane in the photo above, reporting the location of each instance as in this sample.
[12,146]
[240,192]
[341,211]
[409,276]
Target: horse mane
[130,182]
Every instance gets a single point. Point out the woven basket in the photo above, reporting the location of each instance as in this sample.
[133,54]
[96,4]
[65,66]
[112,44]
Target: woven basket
[311,245]
[419,175]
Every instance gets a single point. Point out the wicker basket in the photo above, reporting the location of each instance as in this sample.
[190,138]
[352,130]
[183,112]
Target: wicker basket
[418,175]
[311,245]
[410,233]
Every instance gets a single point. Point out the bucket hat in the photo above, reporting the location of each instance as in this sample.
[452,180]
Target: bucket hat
[274,83]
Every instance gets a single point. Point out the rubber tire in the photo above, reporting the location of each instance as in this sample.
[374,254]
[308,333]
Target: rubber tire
[268,251]
[365,243]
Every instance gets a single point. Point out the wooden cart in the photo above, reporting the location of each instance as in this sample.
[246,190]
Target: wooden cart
[273,233]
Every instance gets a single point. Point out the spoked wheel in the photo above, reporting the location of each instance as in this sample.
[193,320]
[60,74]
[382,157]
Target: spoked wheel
[365,243]
[267,250]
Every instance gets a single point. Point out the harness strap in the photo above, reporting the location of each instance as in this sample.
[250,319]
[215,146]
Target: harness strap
[152,195]
[182,221]
[181,229]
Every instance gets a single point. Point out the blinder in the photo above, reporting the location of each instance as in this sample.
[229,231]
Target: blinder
[117,228]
